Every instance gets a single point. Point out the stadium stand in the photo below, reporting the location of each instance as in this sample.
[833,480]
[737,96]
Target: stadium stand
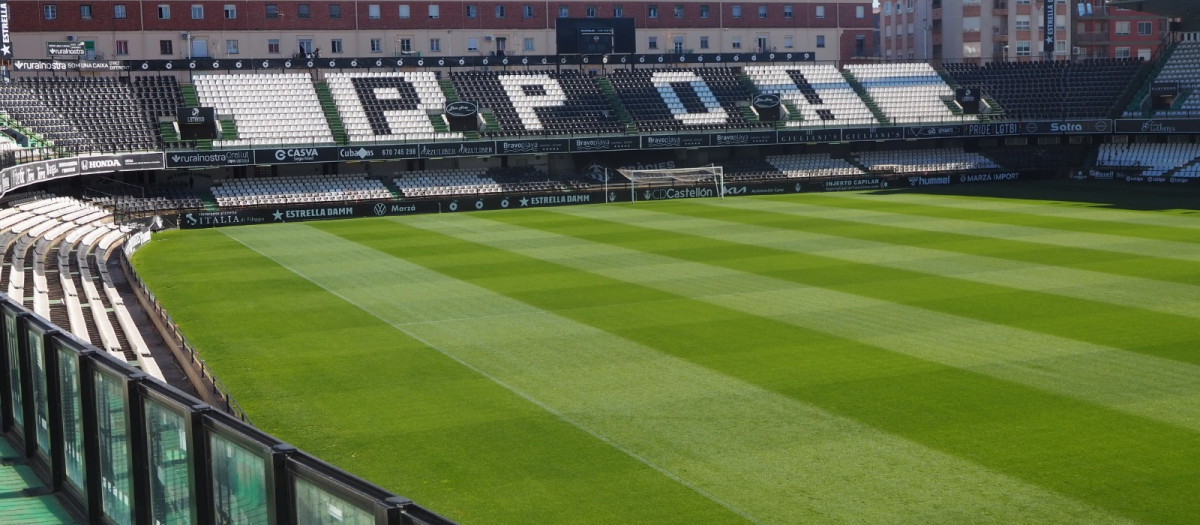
[299,189]
[906,93]
[54,247]
[22,104]
[814,165]
[683,99]
[539,102]
[819,92]
[108,113]
[389,106]
[1183,66]
[267,109]
[1155,160]
[1051,90]
[480,181]
[168,198]
[925,161]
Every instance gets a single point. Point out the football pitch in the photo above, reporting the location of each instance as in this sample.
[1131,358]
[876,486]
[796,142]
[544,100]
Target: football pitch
[1018,354]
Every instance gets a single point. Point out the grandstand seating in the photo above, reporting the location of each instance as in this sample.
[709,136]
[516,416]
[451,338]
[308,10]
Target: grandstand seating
[953,160]
[389,106]
[479,181]
[299,189]
[1183,66]
[908,93]
[104,110]
[267,109]
[1051,90]
[172,198]
[1155,160]
[683,99]
[539,102]
[813,165]
[820,92]
[53,249]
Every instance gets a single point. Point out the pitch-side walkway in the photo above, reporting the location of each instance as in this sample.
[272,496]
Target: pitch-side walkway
[16,503]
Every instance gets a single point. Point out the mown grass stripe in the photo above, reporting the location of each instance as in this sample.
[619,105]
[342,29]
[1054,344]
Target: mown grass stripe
[779,460]
[1104,324]
[331,379]
[1177,226]
[1049,440]
[1140,385]
[874,238]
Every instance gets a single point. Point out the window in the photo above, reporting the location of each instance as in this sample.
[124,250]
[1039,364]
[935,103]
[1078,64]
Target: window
[787,11]
[564,11]
[971,50]
[703,42]
[1060,47]
[860,11]
[273,46]
[860,46]
[1121,52]
[677,10]
[591,11]
[272,11]
[376,45]
[1145,28]
[335,46]
[231,47]
[122,47]
[85,12]
[762,11]
[406,45]
[50,11]
[1122,27]
[1023,48]
[887,9]
[197,12]
[737,42]
[618,11]
[435,45]
[164,12]
[472,11]
[119,12]
[405,11]
[820,41]
[166,47]
[704,11]
[652,43]
[736,11]
[1022,2]
[305,45]
[528,47]
[652,11]
[788,42]
[970,24]
[230,11]
[499,11]
[677,45]
[434,11]
[373,11]
[527,11]
[820,11]
[472,44]
[335,11]
[303,11]
[1022,22]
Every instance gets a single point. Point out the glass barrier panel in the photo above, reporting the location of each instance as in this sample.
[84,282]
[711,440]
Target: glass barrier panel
[41,406]
[316,507]
[170,467]
[72,416]
[114,448]
[14,369]
[239,483]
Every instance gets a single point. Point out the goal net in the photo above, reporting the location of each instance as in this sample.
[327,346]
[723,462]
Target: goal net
[709,180]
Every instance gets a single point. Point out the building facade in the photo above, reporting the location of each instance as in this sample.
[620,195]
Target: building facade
[1014,30]
[139,30]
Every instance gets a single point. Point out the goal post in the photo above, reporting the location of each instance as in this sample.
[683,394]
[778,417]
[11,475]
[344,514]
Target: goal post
[701,176]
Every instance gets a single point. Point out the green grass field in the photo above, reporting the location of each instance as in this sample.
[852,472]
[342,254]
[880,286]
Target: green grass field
[1006,354]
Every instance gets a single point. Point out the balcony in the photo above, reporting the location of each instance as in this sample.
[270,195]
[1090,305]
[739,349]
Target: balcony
[1092,38]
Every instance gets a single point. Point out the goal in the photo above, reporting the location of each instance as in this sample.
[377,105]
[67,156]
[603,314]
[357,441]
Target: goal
[651,181]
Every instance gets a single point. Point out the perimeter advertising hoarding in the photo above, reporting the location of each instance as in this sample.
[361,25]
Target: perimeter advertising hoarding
[1158,126]
[810,136]
[43,170]
[6,51]
[1066,127]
